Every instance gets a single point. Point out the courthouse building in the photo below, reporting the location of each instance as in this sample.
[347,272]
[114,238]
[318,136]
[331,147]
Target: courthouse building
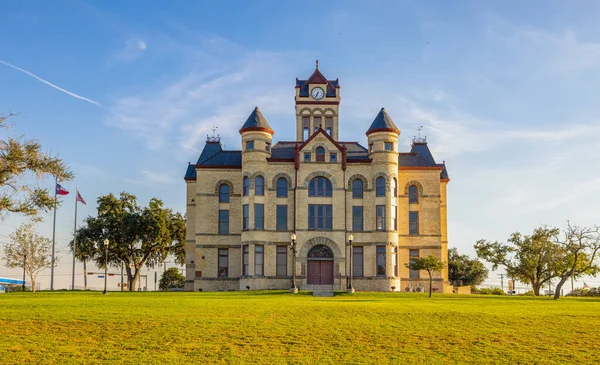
[243,207]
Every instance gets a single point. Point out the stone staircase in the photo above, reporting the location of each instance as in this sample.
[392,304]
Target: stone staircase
[320,290]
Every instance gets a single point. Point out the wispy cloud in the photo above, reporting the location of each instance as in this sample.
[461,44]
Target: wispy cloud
[50,84]
[132,49]
[154,178]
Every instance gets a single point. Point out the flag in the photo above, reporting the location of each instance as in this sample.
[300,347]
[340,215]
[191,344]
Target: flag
[80,199]
[585,286]
[60,190]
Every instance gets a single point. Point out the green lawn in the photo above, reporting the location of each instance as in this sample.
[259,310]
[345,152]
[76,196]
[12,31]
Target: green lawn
[278,327]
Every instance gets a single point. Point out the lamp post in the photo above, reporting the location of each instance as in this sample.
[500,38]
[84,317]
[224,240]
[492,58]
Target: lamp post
[294,288]
[350,287]
[105,264]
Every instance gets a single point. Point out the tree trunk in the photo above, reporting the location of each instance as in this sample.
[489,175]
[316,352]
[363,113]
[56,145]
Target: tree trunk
[84,275]
[536,289]
[430,284]
[129,278]
[562,281]
[32,279]
[136,277]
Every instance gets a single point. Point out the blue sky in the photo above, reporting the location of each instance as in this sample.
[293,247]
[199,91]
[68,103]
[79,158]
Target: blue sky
[506,92]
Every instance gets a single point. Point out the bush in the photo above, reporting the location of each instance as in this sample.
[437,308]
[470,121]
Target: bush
[488,291]
[529,293]
[583,292]
[498,291]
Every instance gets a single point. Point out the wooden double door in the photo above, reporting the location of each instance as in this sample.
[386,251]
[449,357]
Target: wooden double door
[320,272]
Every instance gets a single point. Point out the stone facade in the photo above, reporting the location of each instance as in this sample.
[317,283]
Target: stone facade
[312,182]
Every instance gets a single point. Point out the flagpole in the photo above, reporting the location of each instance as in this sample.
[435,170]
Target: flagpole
[53,235]
[74,240]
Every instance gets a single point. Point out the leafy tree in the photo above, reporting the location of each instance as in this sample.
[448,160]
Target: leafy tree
[578,253]
[464,270]
[20,160]
[431,264]
[137,235]
[86,249]
[525,258]
[171,279]
[29,249]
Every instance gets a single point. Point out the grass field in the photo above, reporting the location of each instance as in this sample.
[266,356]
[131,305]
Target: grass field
[277,327]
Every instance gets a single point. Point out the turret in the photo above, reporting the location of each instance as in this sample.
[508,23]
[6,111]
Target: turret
[383,137]
[256,137]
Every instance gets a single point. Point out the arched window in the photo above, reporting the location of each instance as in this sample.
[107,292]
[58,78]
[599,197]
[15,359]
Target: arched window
[357,189]
[380,186]
[224,193]
[320,154]
[413,194]
[282,187]
[394,187]
[259,186]
[246,187]
[319,186]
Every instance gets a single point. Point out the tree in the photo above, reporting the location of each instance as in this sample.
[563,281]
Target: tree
[464,270]
[171,279]
[29,249]
[578,253]
[431,264]
[20,160]
[86,249]
[137,236]
[525,258]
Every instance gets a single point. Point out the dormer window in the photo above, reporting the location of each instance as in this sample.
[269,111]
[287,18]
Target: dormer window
[320,154]
[250,146]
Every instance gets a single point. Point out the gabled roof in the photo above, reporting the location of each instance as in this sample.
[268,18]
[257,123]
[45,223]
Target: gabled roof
[314,135]
[383,123]
[256,122]
[211,148]
[190,173]
[421,149]
[318,78]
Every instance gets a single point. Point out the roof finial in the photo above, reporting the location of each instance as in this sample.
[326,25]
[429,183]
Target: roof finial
[215,137]
[317,64]
[420,139]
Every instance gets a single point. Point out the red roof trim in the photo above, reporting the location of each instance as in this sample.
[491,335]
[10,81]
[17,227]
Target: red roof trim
[375,130]
[320,130]
[257,129]
[275,159]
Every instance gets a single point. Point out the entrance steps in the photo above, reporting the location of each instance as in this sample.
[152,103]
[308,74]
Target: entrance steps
[320,290]
[322,294]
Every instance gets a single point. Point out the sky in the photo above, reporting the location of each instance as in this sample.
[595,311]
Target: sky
[126,92]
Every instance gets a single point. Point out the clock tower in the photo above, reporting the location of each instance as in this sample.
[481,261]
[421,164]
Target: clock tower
[317,106]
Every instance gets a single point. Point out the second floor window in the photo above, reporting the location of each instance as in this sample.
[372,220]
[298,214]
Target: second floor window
[281,217]
[282,187]
[319,186]
[259,186]
[320,217]
[320,152]
[245,216]
[357,218]
[223,222]
[413,223]
[394,187]
[224,193]
[380,217]
[259,216]
[380,186]
[246,186]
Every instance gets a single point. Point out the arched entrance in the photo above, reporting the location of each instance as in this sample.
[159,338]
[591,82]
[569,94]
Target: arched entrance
[320,265]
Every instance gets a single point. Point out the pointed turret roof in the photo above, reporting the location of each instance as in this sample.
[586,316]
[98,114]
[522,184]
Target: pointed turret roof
[256,122]
[383,123]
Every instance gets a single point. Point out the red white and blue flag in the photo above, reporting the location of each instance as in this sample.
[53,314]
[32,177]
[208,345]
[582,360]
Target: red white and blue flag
[60,190]
[80,199]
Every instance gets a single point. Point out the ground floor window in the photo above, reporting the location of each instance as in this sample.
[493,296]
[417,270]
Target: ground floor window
[413,254]
[246,260]
[281,261]
[395,261]
[357,263]
[223,262]
[380,260]
[259,259]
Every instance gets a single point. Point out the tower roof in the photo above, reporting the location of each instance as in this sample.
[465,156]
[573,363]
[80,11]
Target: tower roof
[318,78]
[256,122]
[383,123]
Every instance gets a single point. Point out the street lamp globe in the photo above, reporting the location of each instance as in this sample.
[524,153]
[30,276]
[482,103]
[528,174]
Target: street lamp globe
[351,237]
[293,237]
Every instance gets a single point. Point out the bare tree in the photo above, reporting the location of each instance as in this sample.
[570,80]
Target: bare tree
[28,250]
[578,253]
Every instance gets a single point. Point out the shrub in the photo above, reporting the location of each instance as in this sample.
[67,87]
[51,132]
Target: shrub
[498,291]
[529,293]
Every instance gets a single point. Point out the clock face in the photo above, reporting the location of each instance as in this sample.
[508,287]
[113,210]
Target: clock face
[317,93]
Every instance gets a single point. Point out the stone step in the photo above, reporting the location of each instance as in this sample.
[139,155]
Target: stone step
[322,294]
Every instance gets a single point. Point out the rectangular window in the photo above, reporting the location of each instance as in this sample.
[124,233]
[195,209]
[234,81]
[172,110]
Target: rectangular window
[380,260]
[305,133]
[394,218]
[371,147]
[413,223]
[246,260]
[358,261]
[259,260]
[316,128]
[223,262]
[307,157]
[223,222]
[281,261]
[249,145]
[328,130]
[357,218]
[329,123]
[380,218]
[333,157]
[245,216]
[413,254]
[388,146]
[267,146]
[395,261]
[320,217]
[282,211]
[259,216]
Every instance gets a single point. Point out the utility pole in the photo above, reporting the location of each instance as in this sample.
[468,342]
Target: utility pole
[24,264]
[501,281]
[572,284]
[155,277]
